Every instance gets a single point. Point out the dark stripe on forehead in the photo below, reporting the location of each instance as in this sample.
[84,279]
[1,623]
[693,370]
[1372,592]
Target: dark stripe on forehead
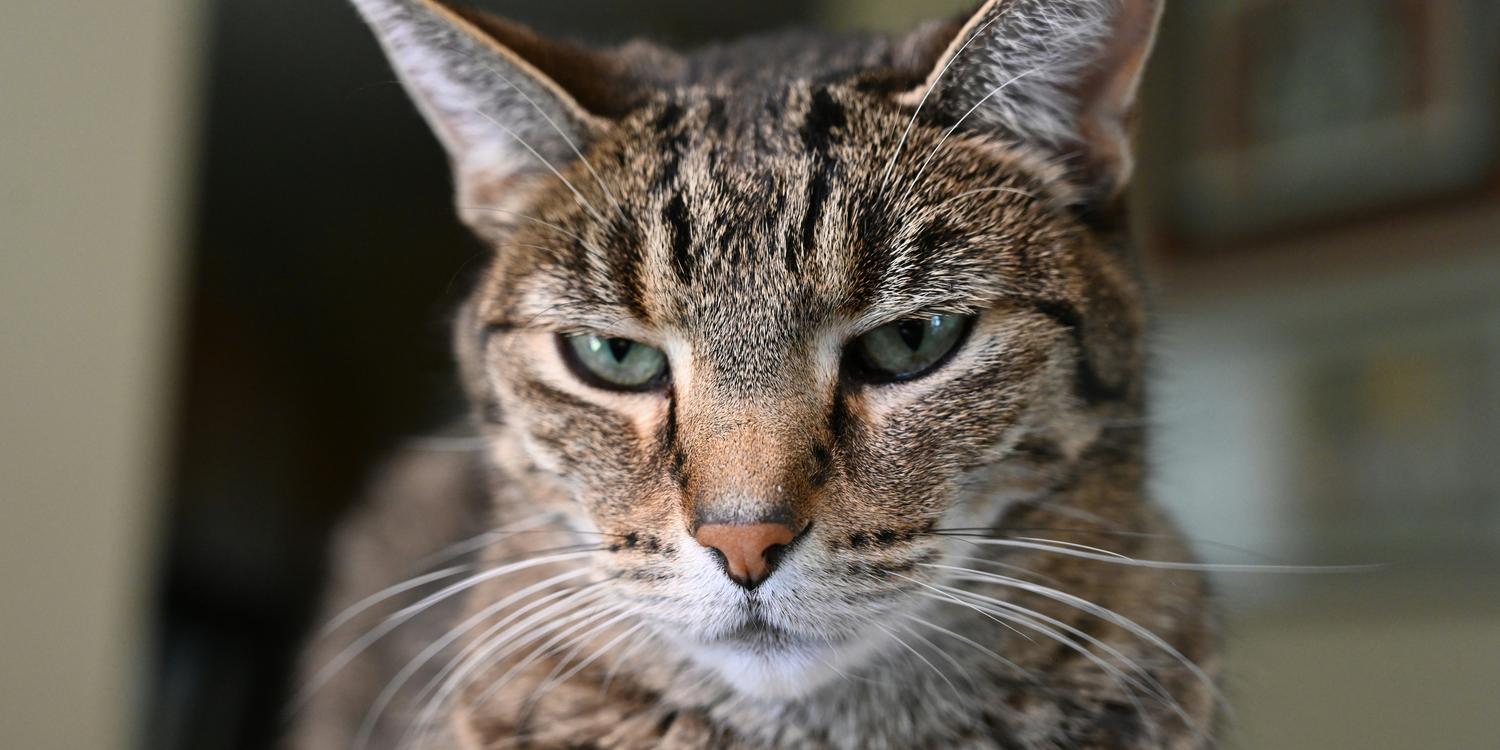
[625,261]
[675,216]
[817,195]
[673,141]
[715,120]
[824,117]
[871,247]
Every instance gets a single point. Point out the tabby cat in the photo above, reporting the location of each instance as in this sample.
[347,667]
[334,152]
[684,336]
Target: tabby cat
[807,387]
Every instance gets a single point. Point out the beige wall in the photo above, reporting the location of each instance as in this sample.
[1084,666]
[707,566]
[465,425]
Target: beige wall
[1388,677]
[94,144]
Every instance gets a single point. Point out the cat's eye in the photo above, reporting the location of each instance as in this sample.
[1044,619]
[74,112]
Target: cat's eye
[614,363]
[907,349]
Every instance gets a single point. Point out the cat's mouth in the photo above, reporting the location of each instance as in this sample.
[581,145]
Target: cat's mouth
[758,633]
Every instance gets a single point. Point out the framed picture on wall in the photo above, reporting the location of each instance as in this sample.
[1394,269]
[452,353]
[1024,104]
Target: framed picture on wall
[1283,115]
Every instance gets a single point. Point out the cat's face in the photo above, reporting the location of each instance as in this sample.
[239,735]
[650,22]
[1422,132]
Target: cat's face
[768,338]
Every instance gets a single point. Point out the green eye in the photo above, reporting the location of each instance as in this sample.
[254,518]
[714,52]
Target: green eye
[616,364]
[907,348]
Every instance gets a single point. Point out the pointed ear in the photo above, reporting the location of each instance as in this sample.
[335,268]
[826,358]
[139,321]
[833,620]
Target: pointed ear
[1058,74]
[481,85]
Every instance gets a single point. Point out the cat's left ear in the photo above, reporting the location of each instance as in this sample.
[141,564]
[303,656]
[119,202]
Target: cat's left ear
[503,101]
[1061,75]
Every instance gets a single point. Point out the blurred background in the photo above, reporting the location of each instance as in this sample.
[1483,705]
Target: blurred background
[227,260]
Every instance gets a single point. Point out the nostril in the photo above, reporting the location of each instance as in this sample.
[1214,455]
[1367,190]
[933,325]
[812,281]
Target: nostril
[773,554]
[718,557]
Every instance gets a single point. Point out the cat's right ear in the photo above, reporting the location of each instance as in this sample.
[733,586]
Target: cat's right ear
[481,85]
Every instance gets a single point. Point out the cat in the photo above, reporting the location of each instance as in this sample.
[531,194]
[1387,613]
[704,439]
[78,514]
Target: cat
[807,376]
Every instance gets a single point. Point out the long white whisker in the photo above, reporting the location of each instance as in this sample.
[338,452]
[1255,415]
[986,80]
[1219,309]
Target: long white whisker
[1032,619]
[959,668]
[458,669]
[557,599]
[485,538]
[1101,555]
[456,550]
[579,195]
[931,86]
[937,589]
[975,644]
[609,675]
[1017,569]
[354,610]
[1075,545]
[372,716]
[923,659]
[546,648]
[394,621]
[1126,682]
[1085,605]
[1020,611]
[949,132]
[554,682]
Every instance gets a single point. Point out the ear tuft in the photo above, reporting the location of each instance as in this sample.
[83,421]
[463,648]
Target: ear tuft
[1058,74]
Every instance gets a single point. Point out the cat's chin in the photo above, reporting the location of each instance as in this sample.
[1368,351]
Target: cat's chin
[778,667]
[781,674]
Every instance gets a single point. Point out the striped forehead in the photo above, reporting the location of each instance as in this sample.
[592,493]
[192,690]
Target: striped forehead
[737,232]
[758,222]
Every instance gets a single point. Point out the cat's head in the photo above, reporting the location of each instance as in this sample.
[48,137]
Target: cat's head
[772,318]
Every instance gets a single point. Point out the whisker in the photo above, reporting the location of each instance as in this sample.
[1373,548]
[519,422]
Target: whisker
[1096,610]
[976,644]
[394,621]
[576,193]
[919,656]
[566,138]
[1031,618]
[609,675]
[931,86]
[488,536]
[354,610]
[1016,569]
[949,132]
[959,668]
[1101,555]
[1129,684]
[926,585]
[453,551]
[992,532]
[478,652]
[545,604]
[553,682]
[372,716]
[538,652]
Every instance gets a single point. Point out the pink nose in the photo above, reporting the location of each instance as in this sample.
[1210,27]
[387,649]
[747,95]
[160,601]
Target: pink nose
[750,550]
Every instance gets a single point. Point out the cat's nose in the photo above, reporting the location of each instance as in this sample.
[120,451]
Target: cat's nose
[750,550]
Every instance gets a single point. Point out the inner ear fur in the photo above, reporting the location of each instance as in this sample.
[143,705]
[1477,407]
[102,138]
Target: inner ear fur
[1058,75]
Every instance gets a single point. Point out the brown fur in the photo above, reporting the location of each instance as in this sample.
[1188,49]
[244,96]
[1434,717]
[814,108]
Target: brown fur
[744,210]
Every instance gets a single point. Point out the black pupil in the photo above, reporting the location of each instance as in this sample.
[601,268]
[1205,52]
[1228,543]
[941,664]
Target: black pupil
[619,348]
[912,332]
